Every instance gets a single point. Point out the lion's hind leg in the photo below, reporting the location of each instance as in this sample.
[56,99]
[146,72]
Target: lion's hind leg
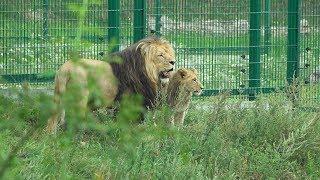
[76,97]
[57,116]
[52,124]
[55,121]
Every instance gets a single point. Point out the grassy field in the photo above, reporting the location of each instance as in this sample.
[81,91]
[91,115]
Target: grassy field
[222,138]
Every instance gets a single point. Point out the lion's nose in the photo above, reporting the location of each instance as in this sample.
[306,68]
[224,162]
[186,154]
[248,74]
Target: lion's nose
[172,62]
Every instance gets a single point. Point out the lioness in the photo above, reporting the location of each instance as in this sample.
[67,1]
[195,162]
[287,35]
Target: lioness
[182,85]
[143,65]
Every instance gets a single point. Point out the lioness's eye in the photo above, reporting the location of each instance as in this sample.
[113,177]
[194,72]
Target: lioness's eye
[194,80]
[161,55]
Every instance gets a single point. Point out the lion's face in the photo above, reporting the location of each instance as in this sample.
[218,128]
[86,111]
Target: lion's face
[164,60]
[159,57]
[189,80]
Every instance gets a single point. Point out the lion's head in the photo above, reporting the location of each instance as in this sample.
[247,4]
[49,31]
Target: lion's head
[143,64]
[159,57]
[187,81]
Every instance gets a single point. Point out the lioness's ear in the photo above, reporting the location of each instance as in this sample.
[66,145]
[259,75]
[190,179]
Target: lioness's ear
[182,72]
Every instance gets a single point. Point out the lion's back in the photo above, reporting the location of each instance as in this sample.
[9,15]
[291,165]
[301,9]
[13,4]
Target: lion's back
[87,71]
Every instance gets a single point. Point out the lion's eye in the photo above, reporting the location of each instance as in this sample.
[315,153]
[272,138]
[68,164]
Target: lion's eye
[194,80]
[161,55]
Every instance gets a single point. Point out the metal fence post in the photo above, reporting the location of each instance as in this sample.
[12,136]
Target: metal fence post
[267,26]
[45,18]
[158,17]
[293,41]
[254,47]
[114,24]
[139,20]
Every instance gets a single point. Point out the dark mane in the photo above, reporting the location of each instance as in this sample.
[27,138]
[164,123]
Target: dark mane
[132,76]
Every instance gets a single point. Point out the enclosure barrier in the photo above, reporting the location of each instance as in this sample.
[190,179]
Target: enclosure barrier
[246,47]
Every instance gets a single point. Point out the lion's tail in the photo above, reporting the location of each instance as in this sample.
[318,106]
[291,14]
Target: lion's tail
[57,116]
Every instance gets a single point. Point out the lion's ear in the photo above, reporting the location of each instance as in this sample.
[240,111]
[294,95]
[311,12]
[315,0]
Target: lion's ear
[143,46]
[194,70]
[150,40]
[182,72]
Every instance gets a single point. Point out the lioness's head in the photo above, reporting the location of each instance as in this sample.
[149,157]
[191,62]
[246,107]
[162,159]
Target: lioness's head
[188,80]
[159,57]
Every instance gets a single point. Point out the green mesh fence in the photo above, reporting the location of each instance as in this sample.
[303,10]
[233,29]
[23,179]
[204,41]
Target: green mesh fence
[310,47]
[211,36]
[36,36]
[216,37]
[246,46]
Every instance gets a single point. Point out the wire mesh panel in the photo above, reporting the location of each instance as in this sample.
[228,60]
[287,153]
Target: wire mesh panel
[36,36]
[274,34]
[216,37]
[211,36]
[21,37]
[310,48]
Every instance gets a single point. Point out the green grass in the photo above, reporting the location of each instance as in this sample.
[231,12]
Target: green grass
[268,141]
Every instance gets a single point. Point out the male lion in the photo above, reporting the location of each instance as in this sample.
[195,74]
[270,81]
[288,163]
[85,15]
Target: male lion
[182,85]
[143,65]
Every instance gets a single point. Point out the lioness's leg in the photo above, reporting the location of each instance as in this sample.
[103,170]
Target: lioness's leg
[179,117]
[62,121]
[172,119]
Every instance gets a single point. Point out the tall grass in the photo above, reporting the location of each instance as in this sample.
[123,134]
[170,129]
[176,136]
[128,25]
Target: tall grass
[221,138]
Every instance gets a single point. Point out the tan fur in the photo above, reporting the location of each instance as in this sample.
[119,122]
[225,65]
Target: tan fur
[181,86]
[156,55]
